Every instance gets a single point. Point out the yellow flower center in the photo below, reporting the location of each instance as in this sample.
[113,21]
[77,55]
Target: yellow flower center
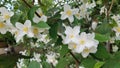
[25,29]
[6,16]
[35,31]
[40,14]
[74,46]
[118,29]
[2,25]
[86,50]
[77,14]
[16,32]
[82,42]
[72,36]
[69,12]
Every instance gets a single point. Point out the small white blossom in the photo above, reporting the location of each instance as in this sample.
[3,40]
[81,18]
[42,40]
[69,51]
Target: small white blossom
[103,10]
[51,58]
[37,19]
[86,51]
[71,34]
[36,57]
[20,63]
[115,48]
[23,29]
[94,25]
[68,13]
[117,29]
[5,14]
[23,52]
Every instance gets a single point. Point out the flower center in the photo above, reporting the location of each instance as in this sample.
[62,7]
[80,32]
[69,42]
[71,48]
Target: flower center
[69,12]
[40,14]
[74,46]
[72,36]
[35,31]
[82,42]
[25,29]
[118,29]
[2,25]
[86,50]
[6,16]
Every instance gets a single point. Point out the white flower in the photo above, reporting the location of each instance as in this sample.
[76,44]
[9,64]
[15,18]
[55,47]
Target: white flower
[51,58]
[3,27]
[94,25]
[36,31]
[25,28]
[36,57]
[44,38]
[117,30]
[68,13]
[37,19]
[20,63]
[35,44]
[81,67]
[91,5]
[71,34]
[23,52]
[5,14]
[116,18]
[83,41]
[115,48]
[86,51]
[103,10]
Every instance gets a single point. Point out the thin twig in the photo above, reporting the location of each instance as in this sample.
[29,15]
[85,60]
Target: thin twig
[110,7]
[75,58]
[39,1]
[30,7]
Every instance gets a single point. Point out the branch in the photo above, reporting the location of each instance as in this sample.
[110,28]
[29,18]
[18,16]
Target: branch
[110,7]
[78,62]
[39,1]
[30,7]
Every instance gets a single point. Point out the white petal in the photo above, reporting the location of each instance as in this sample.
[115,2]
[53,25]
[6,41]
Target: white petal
[63,16]
[36,19]
[93,50]
[75,11]
[3,10]
[44,18]
[68,30]
[66,7]
[85,54]
[19,25]
[71,18]
[76,30]
[27,23]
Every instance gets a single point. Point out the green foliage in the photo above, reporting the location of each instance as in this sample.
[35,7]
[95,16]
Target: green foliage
[88,63]
[102,53]
[99,64]
[34,64]
[101,37]
[31,12]
[41,25]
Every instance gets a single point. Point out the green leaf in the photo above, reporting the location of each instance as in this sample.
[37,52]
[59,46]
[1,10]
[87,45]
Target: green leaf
[104,28]
[88,63]
[15,18]
[32,12]
[41,25]
[34,64]
[62,62]
[46,65]
[102,53]
[99,64]
[101,38]
[53,31]
[64,50]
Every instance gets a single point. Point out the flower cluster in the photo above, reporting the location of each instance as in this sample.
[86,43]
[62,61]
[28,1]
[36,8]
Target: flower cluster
[20,30]
[80,42]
